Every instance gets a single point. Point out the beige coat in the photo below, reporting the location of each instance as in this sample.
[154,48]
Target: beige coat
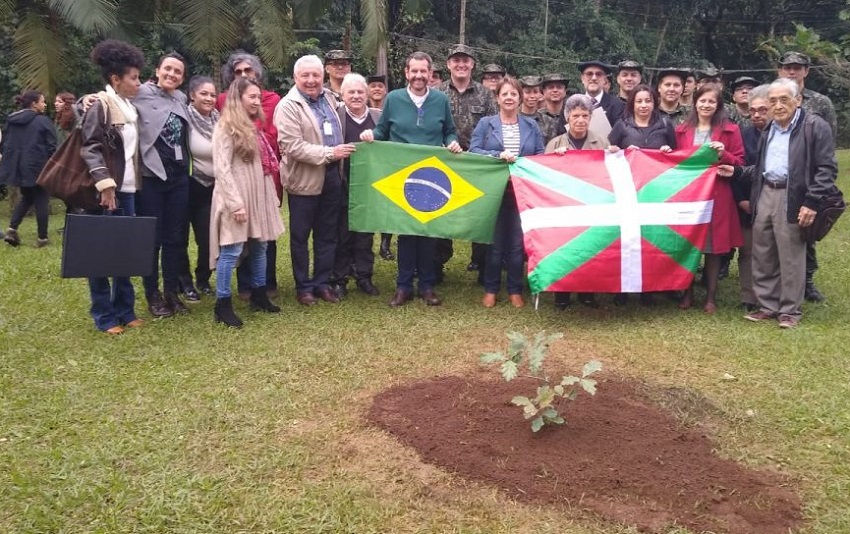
[240,184]
[302,169]
[592,142]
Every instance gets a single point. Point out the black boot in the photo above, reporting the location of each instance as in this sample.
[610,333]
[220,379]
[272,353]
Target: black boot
[173,302]
[812,294]
[260,301]
[224,313]
[562,300]
[385,251]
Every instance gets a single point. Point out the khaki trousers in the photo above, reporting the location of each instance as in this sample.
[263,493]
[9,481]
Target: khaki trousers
[779,256]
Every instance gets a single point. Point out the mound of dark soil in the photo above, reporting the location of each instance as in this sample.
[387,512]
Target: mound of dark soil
[619,455]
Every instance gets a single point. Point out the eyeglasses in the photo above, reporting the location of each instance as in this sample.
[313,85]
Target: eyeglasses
[784,100]
[595,74]
[759,111]
[245,71]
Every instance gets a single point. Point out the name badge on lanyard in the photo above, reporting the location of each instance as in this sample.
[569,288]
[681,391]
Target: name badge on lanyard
[178,153]
[328,129]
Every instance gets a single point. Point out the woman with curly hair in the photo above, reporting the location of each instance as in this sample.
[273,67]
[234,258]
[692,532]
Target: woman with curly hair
[65,119]
[245,209]
[110,134]
[29,139]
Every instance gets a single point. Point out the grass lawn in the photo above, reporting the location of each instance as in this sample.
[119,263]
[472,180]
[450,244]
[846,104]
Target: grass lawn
[186,426]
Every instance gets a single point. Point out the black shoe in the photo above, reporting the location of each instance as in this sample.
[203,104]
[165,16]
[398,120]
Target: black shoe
[341,289]
[646,299]
[366,286]
[172,300]
[157,306]
[260,301]
[224,313]
[384,251]
[204,288]
[191,295]
[12,237]
[812,294]
[473,266]
[562,300]
[620,299]
[749,307]
[588,299]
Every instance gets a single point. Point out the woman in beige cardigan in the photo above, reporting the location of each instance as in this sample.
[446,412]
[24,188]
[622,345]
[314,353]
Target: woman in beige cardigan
[245,209]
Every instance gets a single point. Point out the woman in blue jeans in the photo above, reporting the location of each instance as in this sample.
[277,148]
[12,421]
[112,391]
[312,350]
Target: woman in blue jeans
[111,150]
[245,208]
[506,135]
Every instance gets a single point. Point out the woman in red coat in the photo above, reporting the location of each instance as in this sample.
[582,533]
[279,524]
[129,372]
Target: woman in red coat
[707,124]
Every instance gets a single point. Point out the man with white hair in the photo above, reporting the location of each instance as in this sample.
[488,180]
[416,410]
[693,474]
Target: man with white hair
[354,255]
[795,172]
[310,135]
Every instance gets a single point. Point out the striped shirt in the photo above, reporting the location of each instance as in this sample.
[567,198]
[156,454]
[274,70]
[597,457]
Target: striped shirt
[510,137]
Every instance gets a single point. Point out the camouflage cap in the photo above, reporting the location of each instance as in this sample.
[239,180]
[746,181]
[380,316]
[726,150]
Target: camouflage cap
[708,72]
[492,68]
[594,63]
[555,77]
[672,71]
[531,81]
[744,80]
[461,49]
[630,65]
[376,78]
[795,58]
[438,67]
[338,55]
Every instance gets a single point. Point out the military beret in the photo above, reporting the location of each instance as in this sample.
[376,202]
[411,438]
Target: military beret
[630,65]
[337,55]
[530,81]
[555,77]
[461,49]
[795,58]
[376,78]
[744,80]
[492,68]
[672,71]
[594,63]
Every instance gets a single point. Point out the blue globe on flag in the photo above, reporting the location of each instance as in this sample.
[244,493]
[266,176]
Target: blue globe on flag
[427,189]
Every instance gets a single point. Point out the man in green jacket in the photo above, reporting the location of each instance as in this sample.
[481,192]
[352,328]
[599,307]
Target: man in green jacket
[416,115]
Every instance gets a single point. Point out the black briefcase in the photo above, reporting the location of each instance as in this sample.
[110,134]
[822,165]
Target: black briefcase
[102,245]
[832,207]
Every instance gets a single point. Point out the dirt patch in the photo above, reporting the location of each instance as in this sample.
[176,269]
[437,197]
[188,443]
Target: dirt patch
[620,456]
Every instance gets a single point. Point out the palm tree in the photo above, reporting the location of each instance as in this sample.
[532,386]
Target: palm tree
[376,15]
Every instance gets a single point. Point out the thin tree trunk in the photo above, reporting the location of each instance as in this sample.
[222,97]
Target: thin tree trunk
[661,38]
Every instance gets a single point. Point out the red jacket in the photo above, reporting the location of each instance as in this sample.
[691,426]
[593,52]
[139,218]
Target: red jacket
[725,224]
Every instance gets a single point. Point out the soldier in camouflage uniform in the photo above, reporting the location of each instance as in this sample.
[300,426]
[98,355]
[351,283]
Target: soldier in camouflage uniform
[532,95]
[629,76]
[795,66]
[492,76]
[470,101]
[671,83]
[437,75]
[739,112]
[337,65]
[552,113]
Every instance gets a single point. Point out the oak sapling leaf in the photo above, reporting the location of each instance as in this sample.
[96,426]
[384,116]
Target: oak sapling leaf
[543,408]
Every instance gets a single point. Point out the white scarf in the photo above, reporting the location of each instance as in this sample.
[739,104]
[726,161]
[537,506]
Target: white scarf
[128,109]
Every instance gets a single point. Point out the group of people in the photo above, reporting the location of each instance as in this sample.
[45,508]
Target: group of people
[221,162]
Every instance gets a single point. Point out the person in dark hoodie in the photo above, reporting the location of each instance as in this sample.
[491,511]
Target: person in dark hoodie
[29,139]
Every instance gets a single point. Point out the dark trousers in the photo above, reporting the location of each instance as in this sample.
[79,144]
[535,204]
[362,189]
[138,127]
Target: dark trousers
[200,205]
[113,305]
[811,260]
[443,251]
[32,196]
[316,215]
[416,255]
[480,254]
[354,255]
[168,201]
[506,248]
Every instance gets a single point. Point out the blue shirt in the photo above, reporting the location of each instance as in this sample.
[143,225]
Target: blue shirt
[776,156]
[327,118]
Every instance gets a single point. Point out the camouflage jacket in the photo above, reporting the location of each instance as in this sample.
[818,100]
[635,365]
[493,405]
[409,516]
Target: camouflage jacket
[734,115]
[468,107]
[547,124]
[677,117]
[820,105]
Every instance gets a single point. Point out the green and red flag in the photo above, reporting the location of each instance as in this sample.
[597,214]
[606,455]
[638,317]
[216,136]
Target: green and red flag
[425,190]
[629,222]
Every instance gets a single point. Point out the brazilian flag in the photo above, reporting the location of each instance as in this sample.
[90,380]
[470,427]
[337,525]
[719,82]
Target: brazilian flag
[425,190]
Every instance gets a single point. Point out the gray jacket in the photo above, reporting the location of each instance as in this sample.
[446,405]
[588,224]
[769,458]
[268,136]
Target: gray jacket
[155,106]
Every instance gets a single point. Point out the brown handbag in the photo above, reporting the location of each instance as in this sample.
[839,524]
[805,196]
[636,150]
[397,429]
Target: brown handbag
[66,175]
